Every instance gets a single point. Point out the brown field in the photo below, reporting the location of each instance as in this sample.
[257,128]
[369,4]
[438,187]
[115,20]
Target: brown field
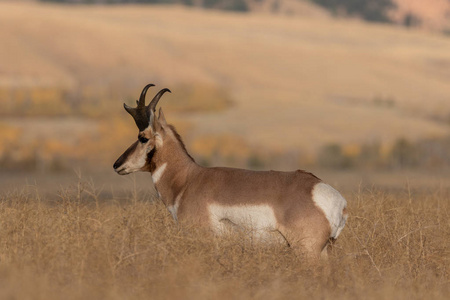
[253,90]
[86,242]
[316,80]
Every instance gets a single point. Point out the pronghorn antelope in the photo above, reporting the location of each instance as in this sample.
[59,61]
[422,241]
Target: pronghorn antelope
[298,206]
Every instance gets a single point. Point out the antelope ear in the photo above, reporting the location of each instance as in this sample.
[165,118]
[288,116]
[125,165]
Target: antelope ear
[161,118]
[155,123]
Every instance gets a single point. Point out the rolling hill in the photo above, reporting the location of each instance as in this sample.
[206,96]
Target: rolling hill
[296,83]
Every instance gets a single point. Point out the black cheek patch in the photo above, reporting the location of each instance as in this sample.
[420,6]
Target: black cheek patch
[150,164]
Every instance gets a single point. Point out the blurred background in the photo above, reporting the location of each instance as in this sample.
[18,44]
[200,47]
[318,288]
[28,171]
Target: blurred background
[352,87]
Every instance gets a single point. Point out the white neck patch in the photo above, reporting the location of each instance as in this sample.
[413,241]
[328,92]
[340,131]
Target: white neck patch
[174,208]
[156,176]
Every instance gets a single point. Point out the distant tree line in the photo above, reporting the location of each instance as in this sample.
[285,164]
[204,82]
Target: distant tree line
[370,10]
[232,5]
[429,153]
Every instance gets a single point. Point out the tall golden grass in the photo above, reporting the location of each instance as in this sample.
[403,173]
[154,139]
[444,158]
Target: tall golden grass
[82,245]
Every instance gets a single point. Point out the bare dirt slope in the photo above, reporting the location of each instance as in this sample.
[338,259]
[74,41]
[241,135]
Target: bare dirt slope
[297,82]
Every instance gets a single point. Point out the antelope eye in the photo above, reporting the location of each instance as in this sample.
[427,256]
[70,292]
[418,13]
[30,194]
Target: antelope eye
[143,140]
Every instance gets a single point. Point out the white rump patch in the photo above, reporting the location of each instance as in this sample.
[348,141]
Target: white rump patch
[332,204]
[156,176]
[254,217]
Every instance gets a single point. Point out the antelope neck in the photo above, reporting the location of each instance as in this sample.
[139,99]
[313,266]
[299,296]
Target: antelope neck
[170,178]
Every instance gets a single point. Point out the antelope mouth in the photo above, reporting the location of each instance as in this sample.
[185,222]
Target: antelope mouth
[122,171]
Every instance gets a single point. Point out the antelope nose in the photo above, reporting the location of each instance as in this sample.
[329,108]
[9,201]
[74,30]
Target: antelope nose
[119,162]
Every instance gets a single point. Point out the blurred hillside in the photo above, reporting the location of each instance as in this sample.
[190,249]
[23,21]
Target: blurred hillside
[256,83]
[431,14]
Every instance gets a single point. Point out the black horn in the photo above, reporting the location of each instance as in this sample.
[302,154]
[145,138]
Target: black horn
[154,102]
[141,113]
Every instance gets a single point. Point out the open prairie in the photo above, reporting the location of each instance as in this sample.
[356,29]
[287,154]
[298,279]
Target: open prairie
[366,107]
[121,243]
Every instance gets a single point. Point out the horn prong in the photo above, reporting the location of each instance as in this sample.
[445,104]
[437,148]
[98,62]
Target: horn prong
[139,113]
[129,109]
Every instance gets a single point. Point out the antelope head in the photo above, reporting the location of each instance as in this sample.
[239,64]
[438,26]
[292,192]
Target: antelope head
[138,156]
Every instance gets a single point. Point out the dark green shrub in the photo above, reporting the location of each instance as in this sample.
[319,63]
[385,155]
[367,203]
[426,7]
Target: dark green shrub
[370,10]
[332,156]
[255,162]
[404,154]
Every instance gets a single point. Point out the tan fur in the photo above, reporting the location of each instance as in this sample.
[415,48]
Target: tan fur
[303,225]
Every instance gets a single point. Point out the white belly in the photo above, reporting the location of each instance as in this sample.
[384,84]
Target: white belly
[254,217]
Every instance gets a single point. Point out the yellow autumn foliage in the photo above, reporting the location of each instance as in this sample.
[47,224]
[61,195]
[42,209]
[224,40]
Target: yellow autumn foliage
[222,145]
[8,135]
[351,150]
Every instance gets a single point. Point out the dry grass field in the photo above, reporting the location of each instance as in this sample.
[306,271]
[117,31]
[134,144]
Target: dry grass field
[285,86]
[81,244]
